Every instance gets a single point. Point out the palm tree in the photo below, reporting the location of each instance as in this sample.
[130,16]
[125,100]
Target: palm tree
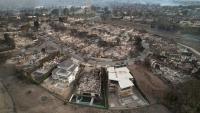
[66,12]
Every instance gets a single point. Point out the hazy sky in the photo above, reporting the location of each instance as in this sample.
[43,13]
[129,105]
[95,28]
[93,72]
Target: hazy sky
[10,4]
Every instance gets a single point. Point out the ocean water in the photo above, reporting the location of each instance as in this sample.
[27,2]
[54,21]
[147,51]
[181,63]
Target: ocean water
[12,4]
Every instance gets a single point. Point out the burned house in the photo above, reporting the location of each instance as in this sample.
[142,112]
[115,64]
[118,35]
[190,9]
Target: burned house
[89,88]
[30,59]
[29,62]
[90,84]
[154,64]
[43,72]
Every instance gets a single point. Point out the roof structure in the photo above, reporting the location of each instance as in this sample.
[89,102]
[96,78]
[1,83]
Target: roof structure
[66,70]
[121,75]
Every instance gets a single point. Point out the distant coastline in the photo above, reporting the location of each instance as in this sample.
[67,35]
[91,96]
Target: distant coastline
[16,4]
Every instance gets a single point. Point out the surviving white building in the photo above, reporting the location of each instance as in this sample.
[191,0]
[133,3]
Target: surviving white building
[120,80]
[65,72]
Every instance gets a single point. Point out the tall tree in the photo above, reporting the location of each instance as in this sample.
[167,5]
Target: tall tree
[55,12]
[66,11]
[36,24]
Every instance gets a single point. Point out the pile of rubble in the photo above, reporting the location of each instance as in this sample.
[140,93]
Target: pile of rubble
[43,72]
[101,40]
[173,62]
[90,82]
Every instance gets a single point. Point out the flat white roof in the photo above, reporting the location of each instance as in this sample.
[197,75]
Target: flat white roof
[112,76]
[122,69]
[63,73]
[111,69]
[125,83]
[121,75]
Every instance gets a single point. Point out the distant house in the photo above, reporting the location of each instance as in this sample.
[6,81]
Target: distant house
[90,84]
[43,72]
[89,88]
